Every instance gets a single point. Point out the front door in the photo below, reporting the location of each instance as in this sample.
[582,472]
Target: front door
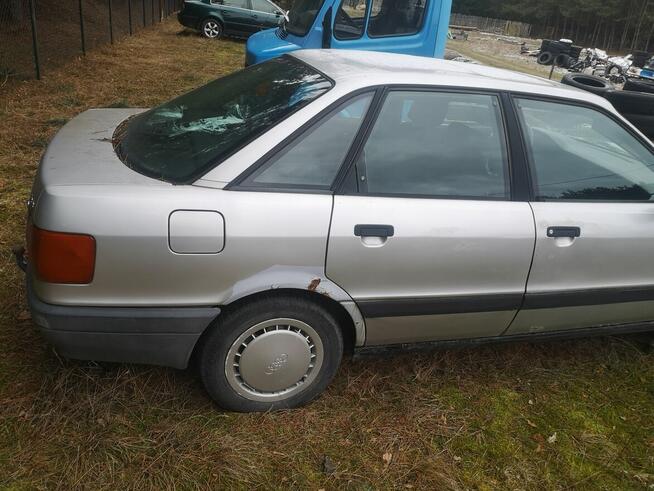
[427,240]
[265,15]
[238,17]
[593,182]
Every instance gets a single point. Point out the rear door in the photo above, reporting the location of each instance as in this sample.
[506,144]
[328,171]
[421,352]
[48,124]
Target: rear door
[425,237]
[593,182]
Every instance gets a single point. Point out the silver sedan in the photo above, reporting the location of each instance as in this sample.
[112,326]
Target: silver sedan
[326,202]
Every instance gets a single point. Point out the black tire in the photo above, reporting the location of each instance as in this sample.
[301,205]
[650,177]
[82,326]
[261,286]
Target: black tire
[575,51]
[589,83]
[545,58]
[640,58]
[212,28]
[636,85]
[223,338]
[627,102]
[562,60]
[644,123]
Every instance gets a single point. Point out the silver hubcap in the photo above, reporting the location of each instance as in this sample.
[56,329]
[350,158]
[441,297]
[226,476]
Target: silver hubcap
[274,360]
[211,29]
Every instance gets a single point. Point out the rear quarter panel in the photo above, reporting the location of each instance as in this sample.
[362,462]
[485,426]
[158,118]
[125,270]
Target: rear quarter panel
[272,240]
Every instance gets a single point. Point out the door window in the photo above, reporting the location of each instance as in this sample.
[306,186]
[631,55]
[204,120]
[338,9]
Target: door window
[263,6]
[436,144]
[313,160]
[578,153]
[396,17]
[350,19]
[241,4]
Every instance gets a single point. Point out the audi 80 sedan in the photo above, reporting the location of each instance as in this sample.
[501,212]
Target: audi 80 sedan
[328,201]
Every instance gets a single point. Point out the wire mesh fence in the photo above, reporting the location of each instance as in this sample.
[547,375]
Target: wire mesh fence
[498,26]
[36,35]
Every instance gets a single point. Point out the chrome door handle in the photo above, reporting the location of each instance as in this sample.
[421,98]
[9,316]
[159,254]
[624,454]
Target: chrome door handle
[571,232]
[371,230]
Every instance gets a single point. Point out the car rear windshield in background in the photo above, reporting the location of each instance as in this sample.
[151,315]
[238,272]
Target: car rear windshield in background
[183,139]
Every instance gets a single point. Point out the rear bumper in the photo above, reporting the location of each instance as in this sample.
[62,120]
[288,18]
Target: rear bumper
[187,20]
[152,336]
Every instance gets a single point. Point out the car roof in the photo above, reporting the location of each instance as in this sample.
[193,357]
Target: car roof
[359,69]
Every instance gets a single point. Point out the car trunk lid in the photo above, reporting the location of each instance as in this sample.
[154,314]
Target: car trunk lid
[82,153]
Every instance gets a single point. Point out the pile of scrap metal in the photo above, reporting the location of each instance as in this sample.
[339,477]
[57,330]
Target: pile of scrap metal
[635,101]
[593,61]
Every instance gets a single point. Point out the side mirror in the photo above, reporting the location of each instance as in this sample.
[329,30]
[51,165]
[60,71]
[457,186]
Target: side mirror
[327,29]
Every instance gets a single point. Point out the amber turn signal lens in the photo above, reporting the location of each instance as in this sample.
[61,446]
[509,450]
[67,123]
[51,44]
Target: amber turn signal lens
[59,257]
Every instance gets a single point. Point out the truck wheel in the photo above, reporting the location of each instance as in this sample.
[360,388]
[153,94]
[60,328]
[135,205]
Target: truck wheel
[590,83]
[272,353]
[211,28]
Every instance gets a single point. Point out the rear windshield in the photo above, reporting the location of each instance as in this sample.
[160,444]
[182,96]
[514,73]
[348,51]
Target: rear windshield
[181,140]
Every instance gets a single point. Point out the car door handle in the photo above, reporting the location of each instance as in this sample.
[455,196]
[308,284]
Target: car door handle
[369,230]
[571,232]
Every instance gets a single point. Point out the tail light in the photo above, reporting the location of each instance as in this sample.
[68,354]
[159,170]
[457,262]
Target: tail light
[58,257]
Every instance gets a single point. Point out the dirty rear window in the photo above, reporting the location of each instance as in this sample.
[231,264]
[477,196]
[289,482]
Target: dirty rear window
[183,139]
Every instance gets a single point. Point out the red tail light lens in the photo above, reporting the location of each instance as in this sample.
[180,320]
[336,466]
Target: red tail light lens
[59,257]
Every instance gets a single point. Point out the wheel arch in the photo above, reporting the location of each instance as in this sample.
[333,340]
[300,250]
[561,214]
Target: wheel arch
[346,313]
[211,16]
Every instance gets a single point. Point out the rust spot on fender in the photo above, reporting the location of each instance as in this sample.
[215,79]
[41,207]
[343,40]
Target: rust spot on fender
[314,284]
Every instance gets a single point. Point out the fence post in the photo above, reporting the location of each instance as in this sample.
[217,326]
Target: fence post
[35,42]
[81,27]
[160,13]
[129,15]
[111,24]
[143,5]
[152,12]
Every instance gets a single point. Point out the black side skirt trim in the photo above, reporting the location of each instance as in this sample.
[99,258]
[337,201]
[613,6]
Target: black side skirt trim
[439,305]
[502,302]
[577,298]
[528,337]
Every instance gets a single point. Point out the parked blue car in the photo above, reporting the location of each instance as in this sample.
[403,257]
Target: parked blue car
[414,27]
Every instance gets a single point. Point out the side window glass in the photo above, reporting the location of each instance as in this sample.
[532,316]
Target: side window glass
[263,6]
[578,153]
[436,144]
[313,160]
[396,17]
[350,19]
[242,4]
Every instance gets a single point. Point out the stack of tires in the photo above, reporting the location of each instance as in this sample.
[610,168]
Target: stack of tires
[641,58]
[561,53]
[635,102]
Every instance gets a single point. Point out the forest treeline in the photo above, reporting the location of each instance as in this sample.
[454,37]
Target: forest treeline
[609,24]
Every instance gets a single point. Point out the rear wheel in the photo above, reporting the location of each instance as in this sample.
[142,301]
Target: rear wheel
[211,28]
[274,353]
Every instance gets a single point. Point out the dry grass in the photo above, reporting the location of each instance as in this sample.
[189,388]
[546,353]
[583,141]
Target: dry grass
[473,418]
[492,51]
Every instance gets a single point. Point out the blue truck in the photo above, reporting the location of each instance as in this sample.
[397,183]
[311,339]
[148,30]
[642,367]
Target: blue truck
[414,27]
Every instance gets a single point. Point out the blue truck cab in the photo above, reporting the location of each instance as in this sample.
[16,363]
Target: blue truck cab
[414,27]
